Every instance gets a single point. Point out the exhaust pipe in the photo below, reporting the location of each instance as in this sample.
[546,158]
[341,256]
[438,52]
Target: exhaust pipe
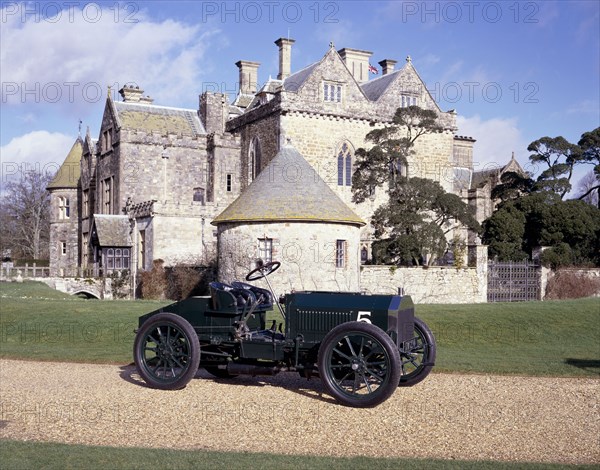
[249,369]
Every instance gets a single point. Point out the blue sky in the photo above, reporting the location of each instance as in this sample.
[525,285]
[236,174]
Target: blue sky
[514,71]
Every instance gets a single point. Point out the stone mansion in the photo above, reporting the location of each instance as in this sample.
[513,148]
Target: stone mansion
[163,183]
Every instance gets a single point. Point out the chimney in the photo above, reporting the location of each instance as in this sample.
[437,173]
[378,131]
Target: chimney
[387,66]
[357,62]
[131,94]
[248,76]
[285,57]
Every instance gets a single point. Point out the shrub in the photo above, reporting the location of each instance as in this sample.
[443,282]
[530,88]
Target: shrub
[174,283]
[568,284]
[185,281]
[153,283]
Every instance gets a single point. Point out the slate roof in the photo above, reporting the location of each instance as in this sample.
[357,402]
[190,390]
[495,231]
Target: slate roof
[375,88]
[160,119]
[69,172]
[288,189]
[296,80]
[111,230]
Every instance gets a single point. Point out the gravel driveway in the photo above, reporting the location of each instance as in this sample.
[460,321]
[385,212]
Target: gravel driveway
[448,416]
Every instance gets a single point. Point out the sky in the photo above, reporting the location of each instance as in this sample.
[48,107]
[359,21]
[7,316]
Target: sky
[514,71]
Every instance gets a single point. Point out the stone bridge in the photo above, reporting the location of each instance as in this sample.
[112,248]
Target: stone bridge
[89,287]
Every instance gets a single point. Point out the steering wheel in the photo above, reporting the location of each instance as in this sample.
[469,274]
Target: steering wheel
[263,270]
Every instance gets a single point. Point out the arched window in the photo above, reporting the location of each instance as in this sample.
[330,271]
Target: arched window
[344,165]
[254,159]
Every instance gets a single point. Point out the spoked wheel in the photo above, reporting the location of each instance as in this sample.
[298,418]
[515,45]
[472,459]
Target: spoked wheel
[167,352]
[416,363]
[359,364]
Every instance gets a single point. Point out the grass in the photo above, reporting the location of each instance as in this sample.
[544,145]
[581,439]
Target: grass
[46,456]
[557,338]
[537,338]
[40,323]
[552,338]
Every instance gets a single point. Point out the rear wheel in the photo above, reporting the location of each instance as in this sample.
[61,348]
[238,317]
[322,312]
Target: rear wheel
[417,362]
[359,364]
[167,352]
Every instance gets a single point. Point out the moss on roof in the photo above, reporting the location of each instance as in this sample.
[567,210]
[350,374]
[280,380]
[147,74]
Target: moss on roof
[288,189]
[159,119]
[68,174]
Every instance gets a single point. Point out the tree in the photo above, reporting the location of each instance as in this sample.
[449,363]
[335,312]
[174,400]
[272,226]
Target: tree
[512,186]
[559,156]
[392,145]
[588,189]
[26,211]
[412,225]
[543,219]
[590,153]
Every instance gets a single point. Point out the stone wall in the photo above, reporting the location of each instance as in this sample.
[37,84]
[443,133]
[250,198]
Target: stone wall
[307,252]
[64,230]
[434,285]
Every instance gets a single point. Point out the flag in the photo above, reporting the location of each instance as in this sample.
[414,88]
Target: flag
[373,69]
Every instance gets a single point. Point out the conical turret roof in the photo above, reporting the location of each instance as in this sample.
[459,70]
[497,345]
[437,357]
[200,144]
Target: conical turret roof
[288,189]
[69,172]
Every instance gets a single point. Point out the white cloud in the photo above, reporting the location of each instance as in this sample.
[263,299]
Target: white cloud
[496,139]
[164,58]
[343,33]
[41,151]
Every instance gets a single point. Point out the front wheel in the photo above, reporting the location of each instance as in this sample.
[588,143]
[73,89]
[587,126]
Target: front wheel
[416,363]
[167,352]
[359,364]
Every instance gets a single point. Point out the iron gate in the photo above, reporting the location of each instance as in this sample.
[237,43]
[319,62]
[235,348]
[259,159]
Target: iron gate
[513,281]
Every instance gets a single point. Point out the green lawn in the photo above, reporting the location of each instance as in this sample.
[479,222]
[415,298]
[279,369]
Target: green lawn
[37,322]
[558,338]
[46,456]
[534,338]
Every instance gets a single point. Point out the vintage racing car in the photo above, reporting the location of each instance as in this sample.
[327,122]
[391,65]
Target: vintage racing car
[362,346]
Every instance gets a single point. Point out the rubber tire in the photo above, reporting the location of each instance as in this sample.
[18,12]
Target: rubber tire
[389,386]
[421,372]
[190,336]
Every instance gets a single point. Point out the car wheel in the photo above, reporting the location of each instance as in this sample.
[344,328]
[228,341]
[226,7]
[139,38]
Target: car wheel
[166,352]
[359,364]
[417,362]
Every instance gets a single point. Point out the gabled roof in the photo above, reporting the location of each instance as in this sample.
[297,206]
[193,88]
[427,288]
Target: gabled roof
[160,119]
[111,230]
[375,88]
[494,175]
[290,190]
[297,79]
[69,172]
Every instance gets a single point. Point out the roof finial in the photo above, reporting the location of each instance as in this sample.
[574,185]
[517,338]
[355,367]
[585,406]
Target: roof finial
[408,59]
[80,122]
[331,45]
[513,156]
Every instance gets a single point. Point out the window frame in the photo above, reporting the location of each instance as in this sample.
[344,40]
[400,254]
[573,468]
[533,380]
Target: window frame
[341,250]
[265,249]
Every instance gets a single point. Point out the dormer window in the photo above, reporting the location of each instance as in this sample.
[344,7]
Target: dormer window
[332,92]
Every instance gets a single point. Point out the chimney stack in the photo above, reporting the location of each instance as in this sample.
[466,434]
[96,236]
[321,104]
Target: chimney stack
[248,76]
[357,62]
[131,94]
[285,57]
[387,66]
